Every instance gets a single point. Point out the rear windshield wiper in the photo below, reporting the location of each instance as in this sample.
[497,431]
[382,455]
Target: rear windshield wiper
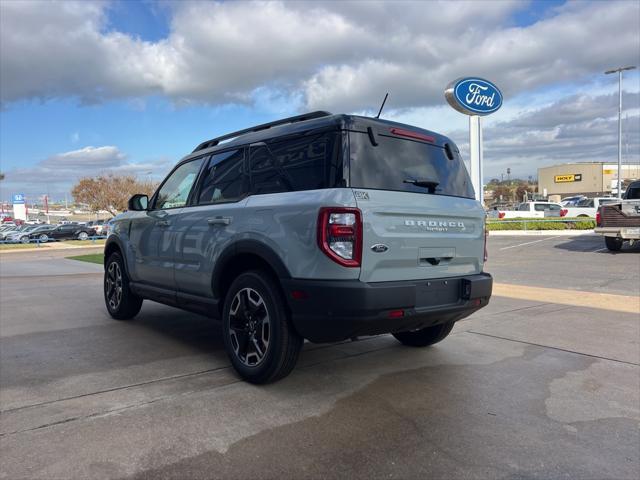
[430,185]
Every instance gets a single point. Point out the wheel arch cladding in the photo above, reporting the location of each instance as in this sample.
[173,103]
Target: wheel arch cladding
[113,246]
[244,256]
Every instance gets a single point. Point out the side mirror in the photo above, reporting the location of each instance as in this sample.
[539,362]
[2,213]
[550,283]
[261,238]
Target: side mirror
[138,202]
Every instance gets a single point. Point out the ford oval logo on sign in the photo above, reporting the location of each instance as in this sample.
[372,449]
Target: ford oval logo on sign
[473,96]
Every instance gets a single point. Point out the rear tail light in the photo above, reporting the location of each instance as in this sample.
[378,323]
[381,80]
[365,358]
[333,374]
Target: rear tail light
[563,212]
[598,219]
[340,235]
[501,214]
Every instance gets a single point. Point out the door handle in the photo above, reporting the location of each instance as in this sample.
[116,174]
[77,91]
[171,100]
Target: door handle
[163,223]
[219,221]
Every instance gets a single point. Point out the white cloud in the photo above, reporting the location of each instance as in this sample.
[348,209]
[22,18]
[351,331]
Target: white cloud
[341,56]
[55,175]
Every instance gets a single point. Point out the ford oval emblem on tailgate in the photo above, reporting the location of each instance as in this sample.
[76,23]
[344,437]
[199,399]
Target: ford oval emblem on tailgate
[379,248]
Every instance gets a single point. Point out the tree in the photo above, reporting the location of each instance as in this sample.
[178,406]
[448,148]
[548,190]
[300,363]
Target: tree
[109,192]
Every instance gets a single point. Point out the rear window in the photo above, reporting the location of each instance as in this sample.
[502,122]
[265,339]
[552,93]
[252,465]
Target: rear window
[394,160]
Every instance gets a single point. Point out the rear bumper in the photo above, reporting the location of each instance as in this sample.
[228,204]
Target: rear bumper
[626,233]
[332,310]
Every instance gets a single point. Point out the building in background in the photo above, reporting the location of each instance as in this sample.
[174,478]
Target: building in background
[590,179]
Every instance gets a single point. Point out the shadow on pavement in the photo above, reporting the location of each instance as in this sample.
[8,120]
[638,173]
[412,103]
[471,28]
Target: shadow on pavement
[589,244]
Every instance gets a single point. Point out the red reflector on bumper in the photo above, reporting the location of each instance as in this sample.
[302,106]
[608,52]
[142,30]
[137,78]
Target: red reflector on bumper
[396,313]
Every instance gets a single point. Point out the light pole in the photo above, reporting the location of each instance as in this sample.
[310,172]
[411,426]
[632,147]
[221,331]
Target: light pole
[619,70]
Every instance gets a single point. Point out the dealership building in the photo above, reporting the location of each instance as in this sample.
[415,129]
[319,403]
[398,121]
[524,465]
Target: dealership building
[591,179]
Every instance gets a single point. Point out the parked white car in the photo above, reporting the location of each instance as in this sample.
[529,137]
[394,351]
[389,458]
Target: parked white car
[534,210]
[587,207]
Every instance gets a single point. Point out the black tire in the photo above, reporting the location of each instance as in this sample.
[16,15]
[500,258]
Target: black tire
[44,238]
[24,239]
[426,336]
[128,304]
[614,244]
[254,310]
[83,236]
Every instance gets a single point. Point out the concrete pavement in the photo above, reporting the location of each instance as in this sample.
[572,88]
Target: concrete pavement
[525,388]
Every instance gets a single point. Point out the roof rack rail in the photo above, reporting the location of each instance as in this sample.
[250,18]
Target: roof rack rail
[298,118]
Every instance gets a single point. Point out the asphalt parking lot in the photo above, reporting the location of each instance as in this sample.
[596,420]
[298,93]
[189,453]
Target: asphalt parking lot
[543,383]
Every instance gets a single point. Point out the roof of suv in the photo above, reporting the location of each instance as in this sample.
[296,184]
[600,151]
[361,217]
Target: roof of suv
[310,121]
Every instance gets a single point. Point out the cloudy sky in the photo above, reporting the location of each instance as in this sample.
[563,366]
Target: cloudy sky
[124,86]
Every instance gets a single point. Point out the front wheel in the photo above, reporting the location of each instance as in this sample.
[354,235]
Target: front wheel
[83,236]
[614,244]
[425,336]
[43,238]
[261,343]
[121,302]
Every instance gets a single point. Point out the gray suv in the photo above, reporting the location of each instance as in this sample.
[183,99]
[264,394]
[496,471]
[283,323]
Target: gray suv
[320,227]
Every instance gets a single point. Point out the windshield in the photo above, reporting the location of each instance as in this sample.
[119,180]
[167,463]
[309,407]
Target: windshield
[406,165]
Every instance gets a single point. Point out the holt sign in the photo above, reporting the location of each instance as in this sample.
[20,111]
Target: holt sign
[473,96]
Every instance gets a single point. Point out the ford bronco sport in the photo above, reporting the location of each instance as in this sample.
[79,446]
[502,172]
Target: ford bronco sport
[321,227]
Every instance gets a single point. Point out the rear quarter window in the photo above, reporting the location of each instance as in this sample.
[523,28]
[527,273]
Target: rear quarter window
[305,162]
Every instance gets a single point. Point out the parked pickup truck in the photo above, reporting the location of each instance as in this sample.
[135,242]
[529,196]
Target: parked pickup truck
[620,221]
[588,207]
[534,210]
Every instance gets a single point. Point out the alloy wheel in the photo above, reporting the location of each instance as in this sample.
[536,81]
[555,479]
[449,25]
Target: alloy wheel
[114,285]
[249,327]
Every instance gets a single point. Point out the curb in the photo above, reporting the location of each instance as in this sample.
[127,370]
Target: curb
[49,249]
[537,233]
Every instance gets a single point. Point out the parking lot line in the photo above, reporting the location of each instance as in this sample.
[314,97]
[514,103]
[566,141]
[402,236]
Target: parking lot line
[526,243]
[576,298]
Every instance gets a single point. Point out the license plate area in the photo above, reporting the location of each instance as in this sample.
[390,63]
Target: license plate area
[433,293]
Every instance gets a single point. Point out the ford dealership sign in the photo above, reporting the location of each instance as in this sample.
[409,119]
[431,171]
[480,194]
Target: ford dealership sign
[473,96]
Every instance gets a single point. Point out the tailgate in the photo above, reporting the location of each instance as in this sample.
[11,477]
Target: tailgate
[413,236]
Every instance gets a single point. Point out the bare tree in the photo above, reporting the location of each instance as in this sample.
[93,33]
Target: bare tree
[109,192]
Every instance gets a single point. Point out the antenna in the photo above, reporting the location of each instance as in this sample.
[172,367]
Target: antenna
[382,106]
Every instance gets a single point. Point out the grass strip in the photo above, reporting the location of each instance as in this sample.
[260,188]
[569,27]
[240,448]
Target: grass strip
[91,258]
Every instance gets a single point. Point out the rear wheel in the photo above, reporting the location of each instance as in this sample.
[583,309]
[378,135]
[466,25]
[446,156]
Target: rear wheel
[43,238]
[24,239]
[261,343]
[121,302]
[613,243]
[425,336]
[83,236]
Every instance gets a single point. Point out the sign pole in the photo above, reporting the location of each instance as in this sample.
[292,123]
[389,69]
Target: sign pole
[475,155]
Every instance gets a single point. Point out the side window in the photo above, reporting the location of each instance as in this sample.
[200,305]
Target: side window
[540,207]
[523,207]
[633,193]
[224,179]
[303,163]
[174,192]
[554,208]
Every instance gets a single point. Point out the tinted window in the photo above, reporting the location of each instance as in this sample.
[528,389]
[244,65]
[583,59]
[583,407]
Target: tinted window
[554,208]
[523,207]
[224,179]
[633,193]
[393,160]
[303,163]
[174,192]
[540,207]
